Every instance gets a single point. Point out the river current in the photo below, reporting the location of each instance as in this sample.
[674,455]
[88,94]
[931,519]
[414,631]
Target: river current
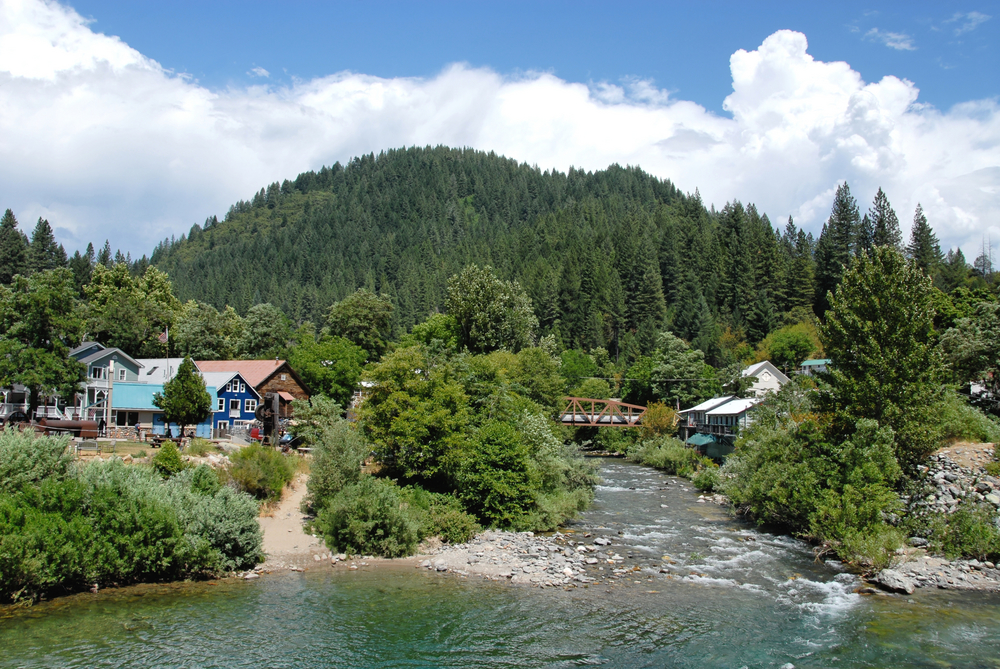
[735,596]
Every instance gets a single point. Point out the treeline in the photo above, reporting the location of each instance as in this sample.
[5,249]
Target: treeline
[608,258]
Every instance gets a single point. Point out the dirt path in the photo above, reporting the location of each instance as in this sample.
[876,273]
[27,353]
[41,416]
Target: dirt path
[285,542]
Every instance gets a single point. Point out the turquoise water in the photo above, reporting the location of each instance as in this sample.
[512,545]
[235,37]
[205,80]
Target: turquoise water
[736,597]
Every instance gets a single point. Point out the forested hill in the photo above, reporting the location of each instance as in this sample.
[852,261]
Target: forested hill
[608,257]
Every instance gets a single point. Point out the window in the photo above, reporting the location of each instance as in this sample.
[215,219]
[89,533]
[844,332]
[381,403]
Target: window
[249,405]
[97,372]
[234,407]
[243,387]
[223,424]
[222,404]
[284,378]
[121,374]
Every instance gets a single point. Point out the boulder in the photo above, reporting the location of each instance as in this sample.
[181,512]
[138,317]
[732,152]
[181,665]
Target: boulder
[918,542]
[892,580]
[601,541]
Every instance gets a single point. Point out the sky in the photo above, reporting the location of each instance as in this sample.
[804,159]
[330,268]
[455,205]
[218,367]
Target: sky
[131,121]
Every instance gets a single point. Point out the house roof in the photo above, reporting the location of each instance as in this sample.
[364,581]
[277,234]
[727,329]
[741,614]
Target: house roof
[816,362]
[158,370]
[709,404]
[84,346]
[139,396]
[104,353]
[216,380]
[733,408]
[757,368]
[254,372]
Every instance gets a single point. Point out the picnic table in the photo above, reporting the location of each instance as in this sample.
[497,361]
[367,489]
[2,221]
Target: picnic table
[158,439]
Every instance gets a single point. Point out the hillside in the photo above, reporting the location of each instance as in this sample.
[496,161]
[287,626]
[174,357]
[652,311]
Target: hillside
[606,256]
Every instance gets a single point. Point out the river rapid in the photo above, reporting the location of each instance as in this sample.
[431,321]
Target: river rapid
[733,596]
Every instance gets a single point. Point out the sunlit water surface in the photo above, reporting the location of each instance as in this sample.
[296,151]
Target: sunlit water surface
[735,597]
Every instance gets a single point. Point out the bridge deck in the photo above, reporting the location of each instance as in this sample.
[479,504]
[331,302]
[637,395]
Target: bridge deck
[600,413]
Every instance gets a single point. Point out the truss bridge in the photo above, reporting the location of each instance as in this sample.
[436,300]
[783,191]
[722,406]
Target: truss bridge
[582,411]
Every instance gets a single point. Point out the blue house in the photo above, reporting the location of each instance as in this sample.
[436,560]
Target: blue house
[132,403]
[235,400]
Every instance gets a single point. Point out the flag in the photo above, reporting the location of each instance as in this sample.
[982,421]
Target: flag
[164,336]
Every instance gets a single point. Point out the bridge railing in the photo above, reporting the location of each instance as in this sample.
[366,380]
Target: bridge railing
[600,413]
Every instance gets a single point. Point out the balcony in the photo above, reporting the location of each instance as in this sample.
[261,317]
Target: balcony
[235,413]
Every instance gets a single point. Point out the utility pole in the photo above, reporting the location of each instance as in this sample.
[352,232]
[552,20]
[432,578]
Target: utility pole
[107,404]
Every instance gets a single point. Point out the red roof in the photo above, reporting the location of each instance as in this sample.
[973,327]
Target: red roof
[255,372]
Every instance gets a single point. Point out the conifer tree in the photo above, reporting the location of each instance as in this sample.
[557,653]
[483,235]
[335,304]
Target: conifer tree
[865,237]
[762,317]
[13,249]
[836,242]
[954,270]
[924,249]
[801,280]
[43,252]
[104,255]
[184,399]
[885,225]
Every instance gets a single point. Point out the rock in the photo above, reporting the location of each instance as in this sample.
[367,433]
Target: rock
[591,560]
[601,541]
[993,498]
[918,542]
[127,458]
[317,558]
[441,565]
[251,576]
[890,579]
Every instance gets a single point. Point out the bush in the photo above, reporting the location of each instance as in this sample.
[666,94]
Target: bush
[168,461]
[27,458]
[706,479]
[201,447]
[115,524]
[970,532]
[368,518]
[260,472]
[669,455]
[962,421]
[494,481]
[439,515]
[338,449]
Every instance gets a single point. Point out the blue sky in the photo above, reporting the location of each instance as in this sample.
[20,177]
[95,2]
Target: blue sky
[683,47]
[133,121]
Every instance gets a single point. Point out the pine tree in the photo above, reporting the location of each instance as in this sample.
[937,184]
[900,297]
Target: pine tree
[762,318]
[104,255]
[184,399]
[924,249]
[13,249]
[836,242]
[865,237]
[954,270]
[44,253]
[801,280]
[885,225]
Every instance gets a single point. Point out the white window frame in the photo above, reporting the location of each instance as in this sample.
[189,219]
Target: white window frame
[243,387]
[121,374]
[97,373]
[249,406]
[222,424]
[221,404]
[283,377]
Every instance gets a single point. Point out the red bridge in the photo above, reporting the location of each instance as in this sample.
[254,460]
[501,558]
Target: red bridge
[600,413]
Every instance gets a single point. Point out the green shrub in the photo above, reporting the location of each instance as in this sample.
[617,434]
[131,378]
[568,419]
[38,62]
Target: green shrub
[115,524]
[970,532]
[494,481]
[706,479]
[201,447]
[669,455]
[993,468]
[27,458]
[614,439]
[961,421]
[439,515]
[873,548]
[260,471]
[368,518]
[168,461]
[338,449]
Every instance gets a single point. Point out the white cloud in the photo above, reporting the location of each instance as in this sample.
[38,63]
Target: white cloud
[105,143]
[259,72]
[897,41]
[970,21]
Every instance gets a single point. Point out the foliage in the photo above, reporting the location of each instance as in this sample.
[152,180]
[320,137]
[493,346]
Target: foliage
[129,312]
[27,459]
[879,333]
[658,421]
[202,333]
[680,374]
[184,399]
[415,416]
[490,313]
[363,318]
[440,515]
[116,524]
[494,479]
[260,471]
[168,461]
[368,518]
[960,421]
[706,479]
[441,328]
[969,532]
[668,454]
[338,449]
[13,249]
[201,447]
[329,365]
[972,347]
[39,324]
[265,332]
[787,347]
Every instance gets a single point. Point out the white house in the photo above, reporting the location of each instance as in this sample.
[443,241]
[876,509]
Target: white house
[767,378]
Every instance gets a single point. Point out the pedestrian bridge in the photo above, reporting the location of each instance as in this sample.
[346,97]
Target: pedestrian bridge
[582,411]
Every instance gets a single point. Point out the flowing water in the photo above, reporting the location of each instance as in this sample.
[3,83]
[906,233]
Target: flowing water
[735,597]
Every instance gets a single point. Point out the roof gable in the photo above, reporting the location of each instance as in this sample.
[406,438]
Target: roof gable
[755,370]
[107,353]
[254,372]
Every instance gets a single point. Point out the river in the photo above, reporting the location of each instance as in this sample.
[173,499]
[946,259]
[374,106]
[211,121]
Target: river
[736,597]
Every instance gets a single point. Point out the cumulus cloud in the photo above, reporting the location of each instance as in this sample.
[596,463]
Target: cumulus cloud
[106,143]
[259,72]
[897,41]
[970,21]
